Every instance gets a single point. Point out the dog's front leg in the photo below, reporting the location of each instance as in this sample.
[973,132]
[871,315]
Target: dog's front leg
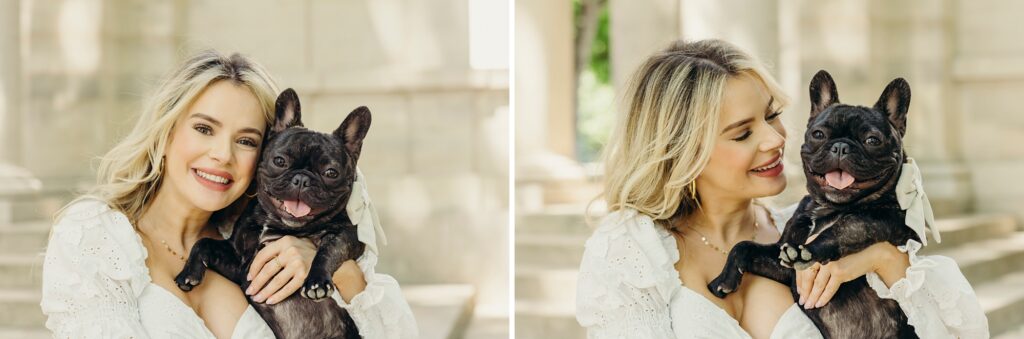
[335,249]
[217,255]
[750,257]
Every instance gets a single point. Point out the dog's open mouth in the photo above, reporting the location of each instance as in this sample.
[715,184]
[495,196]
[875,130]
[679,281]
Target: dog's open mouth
[840,180]
[295,209]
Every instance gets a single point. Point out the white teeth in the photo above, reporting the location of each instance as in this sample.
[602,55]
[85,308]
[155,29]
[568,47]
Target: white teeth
[211,177]
[765,168]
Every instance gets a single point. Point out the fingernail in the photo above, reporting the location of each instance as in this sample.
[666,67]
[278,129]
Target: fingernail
[819,304]
[807,307]
[801,300]
[258,298]
[248,291]
[271,301]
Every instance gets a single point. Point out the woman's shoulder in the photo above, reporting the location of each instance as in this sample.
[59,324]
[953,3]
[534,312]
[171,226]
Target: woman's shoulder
[90,229]
[630,247]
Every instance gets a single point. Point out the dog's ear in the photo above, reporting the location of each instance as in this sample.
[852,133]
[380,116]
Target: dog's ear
[894,103]
[287,112]
[823,93]
[353,130]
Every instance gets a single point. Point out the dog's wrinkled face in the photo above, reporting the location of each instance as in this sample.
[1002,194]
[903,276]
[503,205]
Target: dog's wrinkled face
[854,153]
[305,177]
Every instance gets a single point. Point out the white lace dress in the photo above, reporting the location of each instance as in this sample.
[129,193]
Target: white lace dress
[629,288]
[96,285]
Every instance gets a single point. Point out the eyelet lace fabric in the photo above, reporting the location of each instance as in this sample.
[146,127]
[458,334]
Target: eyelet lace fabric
[628,287]
[96,285]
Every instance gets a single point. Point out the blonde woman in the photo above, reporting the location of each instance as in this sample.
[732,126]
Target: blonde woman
[702,128]
[113,254]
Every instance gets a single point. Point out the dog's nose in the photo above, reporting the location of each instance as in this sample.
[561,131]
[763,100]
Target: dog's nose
[840,148]
[300,181]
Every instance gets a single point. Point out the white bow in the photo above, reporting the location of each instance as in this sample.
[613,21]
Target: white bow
[910,193]
[364,215]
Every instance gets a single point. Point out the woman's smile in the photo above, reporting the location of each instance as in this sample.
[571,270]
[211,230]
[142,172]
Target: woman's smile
[215,180]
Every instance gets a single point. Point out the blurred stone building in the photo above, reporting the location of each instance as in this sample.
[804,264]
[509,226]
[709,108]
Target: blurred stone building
[434,74]
[964,61]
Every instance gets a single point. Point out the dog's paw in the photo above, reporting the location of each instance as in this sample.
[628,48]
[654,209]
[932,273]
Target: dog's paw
[724,284]
[189,278]
[798,257]
[317,288]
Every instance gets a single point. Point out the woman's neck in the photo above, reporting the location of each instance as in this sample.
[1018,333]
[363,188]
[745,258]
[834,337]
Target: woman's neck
[721,218]
[171,219]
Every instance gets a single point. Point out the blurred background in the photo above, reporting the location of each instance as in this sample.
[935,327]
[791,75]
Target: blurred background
[964,61]
[434,74]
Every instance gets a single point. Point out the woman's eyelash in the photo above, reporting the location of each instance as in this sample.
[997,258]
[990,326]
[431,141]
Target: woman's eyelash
[249,142]
[774,115]
[203,128]
[744,136]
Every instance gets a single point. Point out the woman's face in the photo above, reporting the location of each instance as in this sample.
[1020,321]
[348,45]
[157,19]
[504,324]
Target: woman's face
[746,161]
[214,146]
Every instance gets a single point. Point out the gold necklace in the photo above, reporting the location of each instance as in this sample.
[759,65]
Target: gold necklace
[704,239]
[168,247]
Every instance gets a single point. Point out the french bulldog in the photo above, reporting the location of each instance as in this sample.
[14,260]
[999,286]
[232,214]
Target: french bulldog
[304,180]
[852,158]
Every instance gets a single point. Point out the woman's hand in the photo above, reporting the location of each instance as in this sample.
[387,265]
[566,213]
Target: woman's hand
[819,283]
[350,280]
[284,263]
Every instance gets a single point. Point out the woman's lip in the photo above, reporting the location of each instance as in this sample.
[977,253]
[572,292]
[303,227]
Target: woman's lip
[774,172]
[216,186]
[221,174]
[777,156]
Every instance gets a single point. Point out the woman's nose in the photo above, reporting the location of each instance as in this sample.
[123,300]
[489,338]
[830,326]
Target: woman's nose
[220,151]
[775,139]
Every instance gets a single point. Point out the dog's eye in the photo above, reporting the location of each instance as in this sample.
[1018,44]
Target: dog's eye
[872,141]
[331,173]
[818,134]
[279,161]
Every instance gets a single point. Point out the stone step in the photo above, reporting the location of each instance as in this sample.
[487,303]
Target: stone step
[542,319]
[554,250]
[487,328]
[441,311]
[538,283]
[1003,302]
[21,271]
[960,230]
[985,260]
[19,308]
[29,207]
[24,237]
[1016,333]
[25,333]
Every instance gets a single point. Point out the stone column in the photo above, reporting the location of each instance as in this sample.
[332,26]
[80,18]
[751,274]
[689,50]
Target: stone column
[545,118]
[10,81]
[637,29]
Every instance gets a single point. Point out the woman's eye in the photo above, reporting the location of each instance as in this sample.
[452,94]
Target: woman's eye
[331,173]
[744,136]
[279,161]
[248,142]
[773,116]
[873,141]
[818,134]
[202,128]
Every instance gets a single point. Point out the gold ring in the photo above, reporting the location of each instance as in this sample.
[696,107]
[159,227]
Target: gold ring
[278,263]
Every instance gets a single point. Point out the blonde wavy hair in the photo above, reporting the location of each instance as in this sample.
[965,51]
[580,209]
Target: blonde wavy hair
[664,139]
[131,172]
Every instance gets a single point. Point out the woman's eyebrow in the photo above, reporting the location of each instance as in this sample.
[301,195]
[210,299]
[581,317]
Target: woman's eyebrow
[218,124]
[767,109]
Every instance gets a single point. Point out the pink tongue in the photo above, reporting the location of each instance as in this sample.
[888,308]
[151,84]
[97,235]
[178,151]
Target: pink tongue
[296,208]
[839,179]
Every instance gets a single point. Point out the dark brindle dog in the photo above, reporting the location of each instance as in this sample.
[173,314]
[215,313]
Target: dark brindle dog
[852,157]
[304,180]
